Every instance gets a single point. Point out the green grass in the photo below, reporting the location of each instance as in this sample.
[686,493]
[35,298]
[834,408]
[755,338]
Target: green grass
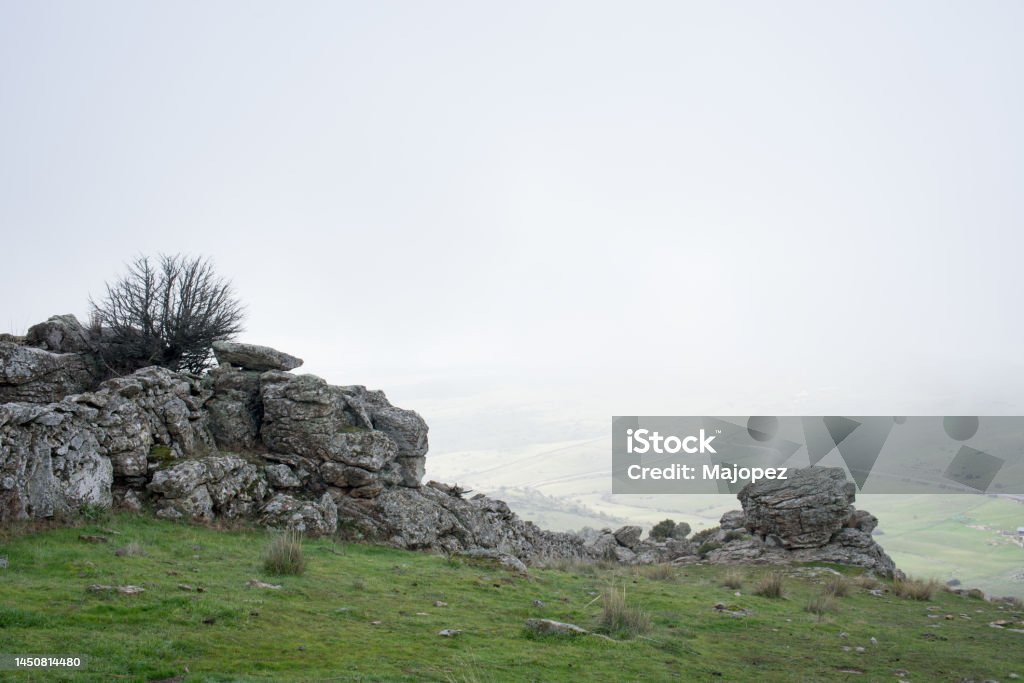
[321,625]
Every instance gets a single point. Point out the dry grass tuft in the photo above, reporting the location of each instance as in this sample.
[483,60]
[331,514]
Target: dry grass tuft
[659,572]
[284,554]
[836,587]
[770,586]
[867,582]
[618,617]
[733,579]
[821,605]
[915,589]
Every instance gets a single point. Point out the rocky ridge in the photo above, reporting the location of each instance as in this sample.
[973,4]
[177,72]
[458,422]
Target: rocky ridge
[250,439]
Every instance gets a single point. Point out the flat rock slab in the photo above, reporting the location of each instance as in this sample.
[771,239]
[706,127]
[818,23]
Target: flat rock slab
[550,627]
[254,357]
[494,558]
[123,590]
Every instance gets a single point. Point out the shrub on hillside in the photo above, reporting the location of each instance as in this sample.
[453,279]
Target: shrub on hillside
[663,530]
[704,534]
[166,311]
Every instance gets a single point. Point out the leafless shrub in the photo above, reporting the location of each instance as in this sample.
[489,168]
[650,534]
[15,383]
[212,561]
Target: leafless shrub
[166,311]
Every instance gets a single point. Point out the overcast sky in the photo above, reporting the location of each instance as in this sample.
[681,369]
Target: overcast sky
[617,208]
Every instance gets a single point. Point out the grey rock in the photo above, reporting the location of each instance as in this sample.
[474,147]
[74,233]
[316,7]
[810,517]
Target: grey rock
[628,536]
[624,555]
[235,409]
[550,627]
[62,334]
[226,486]
[405,427]
[734,520]
[862,521]
[496,558]
[370,450]
[603,546]
[410,471]
[302,414]
[421,518]
[313,517]
[280,476]
[37,376]
[254,357]
[804,511]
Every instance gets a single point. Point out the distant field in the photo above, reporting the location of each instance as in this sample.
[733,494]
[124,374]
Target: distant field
[567,485]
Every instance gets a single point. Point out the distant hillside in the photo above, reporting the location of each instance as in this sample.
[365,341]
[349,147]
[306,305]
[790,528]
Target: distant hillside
[947,537]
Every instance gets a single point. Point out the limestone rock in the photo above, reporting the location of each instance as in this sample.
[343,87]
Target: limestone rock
[37,376]
[62,334]
[733,520]
[280,476]
[313,517]
[226,485]
[235,409]
[803,511]
[628,536]
[253,357]
[425,517]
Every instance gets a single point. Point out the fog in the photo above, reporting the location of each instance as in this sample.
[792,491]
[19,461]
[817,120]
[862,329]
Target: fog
[553,212]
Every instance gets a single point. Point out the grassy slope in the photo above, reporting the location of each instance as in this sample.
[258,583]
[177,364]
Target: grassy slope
[320,625]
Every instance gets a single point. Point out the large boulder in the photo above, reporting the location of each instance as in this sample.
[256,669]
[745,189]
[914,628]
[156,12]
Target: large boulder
[38,376]
[253,357]
[803,511]
[807,518]
[628,536]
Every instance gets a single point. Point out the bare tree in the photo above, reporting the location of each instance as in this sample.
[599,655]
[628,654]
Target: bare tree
[166,311]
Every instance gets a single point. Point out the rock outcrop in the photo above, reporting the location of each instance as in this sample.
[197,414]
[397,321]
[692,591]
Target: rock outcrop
[251,440]
[807,518]
[247,440]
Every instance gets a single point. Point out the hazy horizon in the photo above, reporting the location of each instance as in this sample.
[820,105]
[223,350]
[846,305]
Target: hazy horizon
[563,208]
